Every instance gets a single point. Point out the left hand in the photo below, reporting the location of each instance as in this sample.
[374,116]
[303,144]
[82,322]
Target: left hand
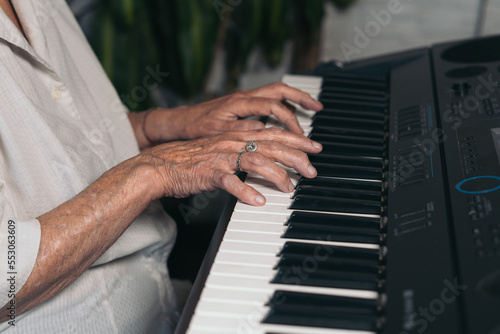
[226,113]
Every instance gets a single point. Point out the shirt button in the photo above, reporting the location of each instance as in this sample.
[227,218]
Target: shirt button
[56,94]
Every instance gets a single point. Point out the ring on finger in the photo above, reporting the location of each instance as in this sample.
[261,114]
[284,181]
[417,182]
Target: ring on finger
[251,146]
[238,161]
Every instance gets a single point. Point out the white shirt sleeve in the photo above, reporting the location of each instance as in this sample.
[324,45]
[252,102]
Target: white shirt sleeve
[19,242]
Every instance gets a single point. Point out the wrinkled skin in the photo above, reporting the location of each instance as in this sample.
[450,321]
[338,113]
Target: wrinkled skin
[209,162]
[211,136]
[184,168]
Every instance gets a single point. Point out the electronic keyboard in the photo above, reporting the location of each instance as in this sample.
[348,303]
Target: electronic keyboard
[398,233]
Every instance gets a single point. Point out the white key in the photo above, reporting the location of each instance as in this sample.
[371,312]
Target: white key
[275,229]
[250,324]
[238,287]
[260,217]
[249,248]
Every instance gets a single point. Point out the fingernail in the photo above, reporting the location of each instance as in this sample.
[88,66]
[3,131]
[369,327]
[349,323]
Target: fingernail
[258,126]
[317,145]
[311,170]
[260,199]
[291,187]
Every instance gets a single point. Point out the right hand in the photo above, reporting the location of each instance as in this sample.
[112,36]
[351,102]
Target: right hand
[185,168]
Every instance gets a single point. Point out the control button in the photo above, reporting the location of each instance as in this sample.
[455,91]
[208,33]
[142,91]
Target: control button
[460,88]
[56,94]
[479,184]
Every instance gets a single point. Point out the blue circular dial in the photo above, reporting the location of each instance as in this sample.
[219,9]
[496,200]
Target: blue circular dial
[485,190]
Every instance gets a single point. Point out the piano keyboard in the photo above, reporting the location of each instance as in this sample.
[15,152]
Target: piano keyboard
[398,233]
[307,263]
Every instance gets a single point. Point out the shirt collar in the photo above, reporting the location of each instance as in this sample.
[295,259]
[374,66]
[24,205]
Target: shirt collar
[10,33]
[31,21]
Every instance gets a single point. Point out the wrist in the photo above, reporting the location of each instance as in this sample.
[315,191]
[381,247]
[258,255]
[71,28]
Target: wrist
[142,125]
[162,125]
[145,178]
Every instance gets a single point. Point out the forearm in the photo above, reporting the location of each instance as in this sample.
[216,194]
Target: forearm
[75,234]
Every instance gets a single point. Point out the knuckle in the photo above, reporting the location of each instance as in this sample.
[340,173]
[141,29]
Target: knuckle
[237,96]
[256,159]
[275,131]
[227,181]
[272,145]
[277,104]
[278,85]
[302,156]
[283,176]
[224,143]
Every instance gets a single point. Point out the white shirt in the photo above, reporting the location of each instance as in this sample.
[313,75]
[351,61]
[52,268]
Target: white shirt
[62,126]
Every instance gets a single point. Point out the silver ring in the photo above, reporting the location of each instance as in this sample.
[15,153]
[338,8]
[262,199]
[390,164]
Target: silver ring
[251,146]
[238,161]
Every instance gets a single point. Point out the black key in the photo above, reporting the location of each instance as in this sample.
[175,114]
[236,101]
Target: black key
[309,264]
[332,220]
[357,77]
[306,232]
[332,138]
[349,125]
[340,279]
[352,149]
[336,95]
[380,115]
[324,270]
[356,91]
[357,172]
[337,192]
[316,203]
[337,254]
[327,305]
[302,309]
[334,120]
[346,160]
[341,183]
[353,105]
[318,226]
[332,233]
[332,82]
[338,129]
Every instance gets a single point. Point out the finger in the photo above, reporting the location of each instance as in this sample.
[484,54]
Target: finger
[287,115]
[289,106]
[276,134]
[254,162]
[282,91]
[296,159]
[273,150]
[265,107]
[233,185]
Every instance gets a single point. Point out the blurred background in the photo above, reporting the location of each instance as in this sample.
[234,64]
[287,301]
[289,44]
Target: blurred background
[212,47]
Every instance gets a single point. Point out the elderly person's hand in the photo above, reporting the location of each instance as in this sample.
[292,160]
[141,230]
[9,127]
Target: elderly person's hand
[103,211]
[184,168]
[223,114]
